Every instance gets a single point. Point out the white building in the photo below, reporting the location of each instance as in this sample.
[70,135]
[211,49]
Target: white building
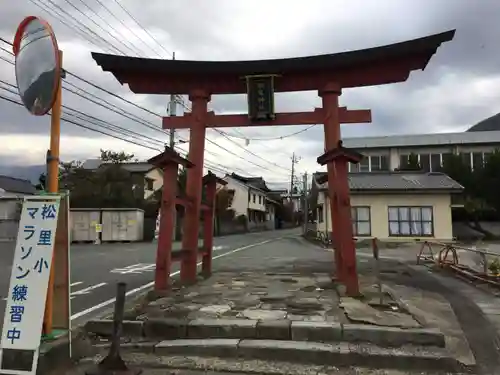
[387,153]
[12,190]
[250,199]
[393,206]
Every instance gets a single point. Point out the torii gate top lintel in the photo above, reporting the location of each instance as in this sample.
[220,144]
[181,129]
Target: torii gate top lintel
[373,66]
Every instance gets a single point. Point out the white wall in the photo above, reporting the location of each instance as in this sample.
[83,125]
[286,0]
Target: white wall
[240,199]
[379,203]
[259,205]
[157,176]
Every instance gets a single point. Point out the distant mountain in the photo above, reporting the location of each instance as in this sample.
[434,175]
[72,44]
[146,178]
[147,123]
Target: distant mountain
[490,124]
[26,172]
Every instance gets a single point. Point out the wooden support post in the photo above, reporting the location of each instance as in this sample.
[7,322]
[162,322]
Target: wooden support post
[169,162]
[210,182]
[338,158]
[208,229]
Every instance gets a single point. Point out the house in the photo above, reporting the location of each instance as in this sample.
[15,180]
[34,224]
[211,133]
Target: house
[15,187]
[251,199]
[146,175]
[388,153]
[296,199]
[12,190]
[393,205]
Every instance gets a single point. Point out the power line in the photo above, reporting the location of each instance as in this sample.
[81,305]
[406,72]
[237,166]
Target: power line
[80,31]
[271,138]
[119,20]
[248,151]
[138,24]
[109,126]
[129,102]
[78,22]
[126,45]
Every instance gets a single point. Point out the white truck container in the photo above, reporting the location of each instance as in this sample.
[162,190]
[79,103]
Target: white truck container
[122,224]
[83,224]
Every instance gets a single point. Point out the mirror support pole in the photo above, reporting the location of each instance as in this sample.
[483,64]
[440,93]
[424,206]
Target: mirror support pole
[53,187]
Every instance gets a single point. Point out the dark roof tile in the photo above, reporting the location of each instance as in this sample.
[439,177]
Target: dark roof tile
[396,181]
[16,185]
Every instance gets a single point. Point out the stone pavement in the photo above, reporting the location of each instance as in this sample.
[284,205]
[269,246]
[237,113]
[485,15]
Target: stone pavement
[197,365]
[277,302]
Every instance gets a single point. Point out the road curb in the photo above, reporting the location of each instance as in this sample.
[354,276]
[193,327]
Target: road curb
[167,329]
[340,354]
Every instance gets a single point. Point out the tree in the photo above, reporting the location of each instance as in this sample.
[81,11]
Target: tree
[411,164]
[108,156]
[488,180]
[42,181]
[479,186]
[108,186]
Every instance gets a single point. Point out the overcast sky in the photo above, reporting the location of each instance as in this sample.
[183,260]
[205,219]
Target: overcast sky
[460,86]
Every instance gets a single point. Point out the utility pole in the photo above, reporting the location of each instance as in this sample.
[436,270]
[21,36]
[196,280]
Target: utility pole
[295,160]
[305,207]
[173,112]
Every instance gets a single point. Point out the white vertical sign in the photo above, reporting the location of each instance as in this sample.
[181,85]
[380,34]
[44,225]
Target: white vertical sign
[29,279]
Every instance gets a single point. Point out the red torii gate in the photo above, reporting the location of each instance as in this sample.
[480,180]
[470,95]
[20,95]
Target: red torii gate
[326,74]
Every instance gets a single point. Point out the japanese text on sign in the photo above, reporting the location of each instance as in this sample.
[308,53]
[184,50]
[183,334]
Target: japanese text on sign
[260,98]
[30,274]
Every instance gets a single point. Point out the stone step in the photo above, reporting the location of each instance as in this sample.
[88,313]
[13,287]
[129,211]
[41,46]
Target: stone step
[168,329]
[341,355]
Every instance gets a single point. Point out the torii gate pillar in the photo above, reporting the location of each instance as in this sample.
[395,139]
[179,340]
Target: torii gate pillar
[191,224]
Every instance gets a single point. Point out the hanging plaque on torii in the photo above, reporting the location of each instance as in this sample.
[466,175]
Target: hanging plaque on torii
[260,96]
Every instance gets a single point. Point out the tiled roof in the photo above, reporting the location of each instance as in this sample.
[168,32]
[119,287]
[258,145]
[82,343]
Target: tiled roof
[396,181]
[16,185]
[424,140]
[141,167]
[256,182]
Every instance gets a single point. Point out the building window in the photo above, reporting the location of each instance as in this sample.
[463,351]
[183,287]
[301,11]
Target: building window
[403,160]
[149,184]
[384,162]
[361,225]
[253,198]
[436,162]
[260,199]
[477,160]
[467,159]
[486,156]
[425,162]
[353,168]
[320,213]
[445,158]
[410,221]
[364,165]
[379,163]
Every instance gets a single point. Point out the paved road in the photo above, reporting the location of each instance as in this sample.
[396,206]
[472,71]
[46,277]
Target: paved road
[95,269]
